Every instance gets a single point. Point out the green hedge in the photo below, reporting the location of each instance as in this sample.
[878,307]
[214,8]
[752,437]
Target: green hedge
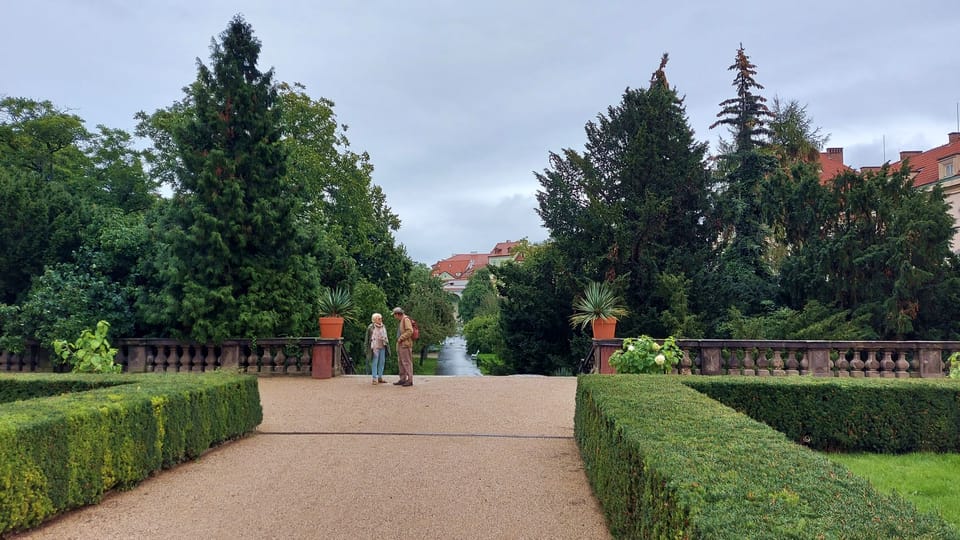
[66,451]
[849,415]
[666,461]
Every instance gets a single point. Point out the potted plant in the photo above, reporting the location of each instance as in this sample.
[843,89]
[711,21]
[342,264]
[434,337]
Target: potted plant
[600,307]
[335,306]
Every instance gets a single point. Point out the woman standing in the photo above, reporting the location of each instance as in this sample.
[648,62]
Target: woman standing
[377,347]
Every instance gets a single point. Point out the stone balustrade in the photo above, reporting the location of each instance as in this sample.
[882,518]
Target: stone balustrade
[290,356]
[781,358]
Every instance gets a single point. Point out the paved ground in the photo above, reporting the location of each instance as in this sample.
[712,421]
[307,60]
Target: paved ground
[450,457]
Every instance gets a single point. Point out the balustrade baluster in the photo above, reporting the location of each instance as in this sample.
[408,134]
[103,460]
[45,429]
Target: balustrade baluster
[733,362]
[280,360]
[183,359]
[210,359]
[253,360]
[902,365]
[872,366]
[791,364]
[777,363]
[196,359]
[749,364]
[887,364]
[762,363]
[303,364]
[856,364]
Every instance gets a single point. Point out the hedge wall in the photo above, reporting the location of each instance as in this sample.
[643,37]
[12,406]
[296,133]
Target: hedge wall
[67,450]
[666,461]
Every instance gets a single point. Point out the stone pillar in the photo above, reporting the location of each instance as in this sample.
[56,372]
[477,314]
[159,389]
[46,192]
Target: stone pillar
[322,358]
[819,362]
[604,349]
[931,363]
[137,359]
[710,361]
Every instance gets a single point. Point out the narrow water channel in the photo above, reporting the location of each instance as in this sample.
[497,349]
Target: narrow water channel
[454,359]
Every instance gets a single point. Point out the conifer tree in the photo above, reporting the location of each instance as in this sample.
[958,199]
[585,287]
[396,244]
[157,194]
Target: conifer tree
[634,204]
[741,276]
[747,114]
[240,266]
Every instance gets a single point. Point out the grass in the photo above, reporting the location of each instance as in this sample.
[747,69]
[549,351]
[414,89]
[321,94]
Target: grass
[930,481]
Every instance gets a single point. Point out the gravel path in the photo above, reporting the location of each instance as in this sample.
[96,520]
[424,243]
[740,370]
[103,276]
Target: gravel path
[450,457]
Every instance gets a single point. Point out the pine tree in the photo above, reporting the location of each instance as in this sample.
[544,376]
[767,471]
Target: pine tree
[741,276]
[240,265]
[746,114]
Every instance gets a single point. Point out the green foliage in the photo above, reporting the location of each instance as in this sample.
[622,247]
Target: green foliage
[66,297]
[634,205]
[484,334]
[848,415]
[598,301]
[337,302]
[746,114]
[644,355]
[954,362]
[241,263]
[666,461]
[815,321]
[430,306]
[90,353]
[479,297]
[533,317]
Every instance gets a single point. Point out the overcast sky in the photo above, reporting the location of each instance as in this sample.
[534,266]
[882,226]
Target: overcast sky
[458,103]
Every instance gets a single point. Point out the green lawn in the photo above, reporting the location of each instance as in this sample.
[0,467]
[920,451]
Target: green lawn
[930,481]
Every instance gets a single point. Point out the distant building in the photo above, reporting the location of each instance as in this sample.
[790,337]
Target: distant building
[831,164]
[937,166]
[456,270]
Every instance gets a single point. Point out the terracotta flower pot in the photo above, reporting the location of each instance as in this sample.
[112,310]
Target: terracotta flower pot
[331,327]
[604,328]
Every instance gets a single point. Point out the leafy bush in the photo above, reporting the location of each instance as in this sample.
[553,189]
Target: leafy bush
[91,353]
[644,355]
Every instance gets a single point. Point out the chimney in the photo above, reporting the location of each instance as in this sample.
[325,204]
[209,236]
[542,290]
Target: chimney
[835,154]
[954,137]
[904,154]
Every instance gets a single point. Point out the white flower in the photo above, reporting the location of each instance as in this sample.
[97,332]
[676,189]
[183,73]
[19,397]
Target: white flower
[656,346]
[660,359]
[630,347]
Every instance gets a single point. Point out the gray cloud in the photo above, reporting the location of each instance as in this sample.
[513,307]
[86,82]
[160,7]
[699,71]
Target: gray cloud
[458,104]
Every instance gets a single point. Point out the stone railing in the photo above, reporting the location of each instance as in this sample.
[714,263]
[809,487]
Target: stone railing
[280,356]
[780,358]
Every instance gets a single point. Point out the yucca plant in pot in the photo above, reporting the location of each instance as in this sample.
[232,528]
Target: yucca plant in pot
[335,306]
[600,307]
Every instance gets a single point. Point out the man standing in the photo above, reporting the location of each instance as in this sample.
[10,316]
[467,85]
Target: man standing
[404,347]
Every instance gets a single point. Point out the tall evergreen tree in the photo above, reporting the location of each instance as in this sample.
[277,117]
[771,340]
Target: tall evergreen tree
[741,276]
[240,264]
[747,114]
[634,204]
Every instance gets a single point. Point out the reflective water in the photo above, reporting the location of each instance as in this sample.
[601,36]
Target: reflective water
[454,359]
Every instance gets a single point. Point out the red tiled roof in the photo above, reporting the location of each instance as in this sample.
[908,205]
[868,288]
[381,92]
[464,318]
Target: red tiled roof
[503,248]
[924,165]
[831,164]
[461,266]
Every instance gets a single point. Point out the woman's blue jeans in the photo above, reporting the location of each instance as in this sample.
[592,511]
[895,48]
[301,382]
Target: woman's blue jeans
[376,363]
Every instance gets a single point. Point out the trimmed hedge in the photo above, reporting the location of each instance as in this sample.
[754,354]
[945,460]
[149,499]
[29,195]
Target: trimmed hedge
[890,416]
[666,461]
[66,451]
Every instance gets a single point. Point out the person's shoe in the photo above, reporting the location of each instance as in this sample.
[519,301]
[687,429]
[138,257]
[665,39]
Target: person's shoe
[408,383]
[398,383]
[374,382]
[381,381]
